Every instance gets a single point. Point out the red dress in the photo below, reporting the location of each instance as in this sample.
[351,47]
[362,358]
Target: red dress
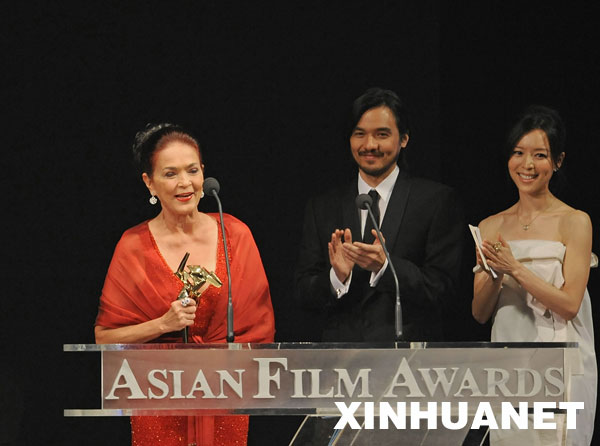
[140,286]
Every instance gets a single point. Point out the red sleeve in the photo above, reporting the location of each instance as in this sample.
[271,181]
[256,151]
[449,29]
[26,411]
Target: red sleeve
[253,318]
[138,287]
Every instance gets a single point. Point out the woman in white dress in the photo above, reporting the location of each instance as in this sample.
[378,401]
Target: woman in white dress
[541,249]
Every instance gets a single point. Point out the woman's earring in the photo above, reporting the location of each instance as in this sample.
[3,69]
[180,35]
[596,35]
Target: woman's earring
[153,200]
[202,194]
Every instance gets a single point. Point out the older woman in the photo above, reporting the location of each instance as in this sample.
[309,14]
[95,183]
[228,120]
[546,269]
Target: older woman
[541,249]
[139,299]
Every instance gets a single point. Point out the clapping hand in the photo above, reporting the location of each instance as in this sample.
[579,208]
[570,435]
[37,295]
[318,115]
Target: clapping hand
[499,256]
[341,264]
[368,256]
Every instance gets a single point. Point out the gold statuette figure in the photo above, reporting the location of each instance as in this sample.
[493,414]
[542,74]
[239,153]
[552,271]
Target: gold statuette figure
[194,279]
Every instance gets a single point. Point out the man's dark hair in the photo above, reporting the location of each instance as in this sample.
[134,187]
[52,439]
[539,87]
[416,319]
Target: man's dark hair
[377,97]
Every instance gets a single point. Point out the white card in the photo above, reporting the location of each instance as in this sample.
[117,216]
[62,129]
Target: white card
[478,242]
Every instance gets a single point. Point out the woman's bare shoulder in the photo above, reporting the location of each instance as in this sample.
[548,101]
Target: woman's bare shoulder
[491,225]
[574,220]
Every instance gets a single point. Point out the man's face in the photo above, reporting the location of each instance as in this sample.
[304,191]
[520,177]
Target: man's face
[376,143]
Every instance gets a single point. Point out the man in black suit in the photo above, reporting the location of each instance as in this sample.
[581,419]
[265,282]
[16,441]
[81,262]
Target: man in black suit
[345,273]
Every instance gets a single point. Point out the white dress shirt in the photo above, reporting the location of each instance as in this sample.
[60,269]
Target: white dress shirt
[384,189]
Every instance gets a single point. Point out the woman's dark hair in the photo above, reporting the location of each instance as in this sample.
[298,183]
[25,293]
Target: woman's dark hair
[539,117]
[153,138]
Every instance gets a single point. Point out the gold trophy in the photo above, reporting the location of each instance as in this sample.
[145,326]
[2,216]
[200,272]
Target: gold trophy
[193,280]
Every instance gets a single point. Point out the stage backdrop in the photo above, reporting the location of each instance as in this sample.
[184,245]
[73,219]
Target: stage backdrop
[267,88]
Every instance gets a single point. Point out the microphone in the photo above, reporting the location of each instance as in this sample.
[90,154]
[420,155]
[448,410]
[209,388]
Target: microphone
[364,201]
[211,187]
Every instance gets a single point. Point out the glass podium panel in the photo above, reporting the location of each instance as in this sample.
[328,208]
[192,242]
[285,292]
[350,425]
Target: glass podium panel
[324,381]
[319,431]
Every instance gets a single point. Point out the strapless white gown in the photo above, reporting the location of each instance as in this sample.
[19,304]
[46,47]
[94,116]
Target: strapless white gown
[519,317]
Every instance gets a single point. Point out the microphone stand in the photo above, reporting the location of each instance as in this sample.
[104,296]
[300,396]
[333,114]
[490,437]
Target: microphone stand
[365,202]
[230,334]
[211,187]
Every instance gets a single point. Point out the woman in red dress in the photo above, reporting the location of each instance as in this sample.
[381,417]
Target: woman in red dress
[139,299]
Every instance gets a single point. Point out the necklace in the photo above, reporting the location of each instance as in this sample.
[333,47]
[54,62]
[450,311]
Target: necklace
[528,225]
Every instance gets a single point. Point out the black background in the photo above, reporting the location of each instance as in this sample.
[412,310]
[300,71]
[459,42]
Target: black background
[267,85]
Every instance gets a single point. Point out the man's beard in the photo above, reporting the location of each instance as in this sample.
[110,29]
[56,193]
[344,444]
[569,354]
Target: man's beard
[379,171]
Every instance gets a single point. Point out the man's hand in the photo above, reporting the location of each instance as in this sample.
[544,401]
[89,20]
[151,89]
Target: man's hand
[369,257]
[342,265]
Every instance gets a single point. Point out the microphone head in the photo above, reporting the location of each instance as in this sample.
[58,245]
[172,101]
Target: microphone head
[363,200]
[211,185]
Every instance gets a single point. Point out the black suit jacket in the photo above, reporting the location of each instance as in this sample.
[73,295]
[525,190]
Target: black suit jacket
[423,228]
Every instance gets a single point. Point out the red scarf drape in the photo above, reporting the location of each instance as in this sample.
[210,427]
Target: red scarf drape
[140,286]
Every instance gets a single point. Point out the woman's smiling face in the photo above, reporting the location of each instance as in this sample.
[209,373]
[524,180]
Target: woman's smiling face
[177,177]
[530,165]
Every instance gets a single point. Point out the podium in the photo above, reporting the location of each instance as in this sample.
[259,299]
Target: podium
[351,394]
